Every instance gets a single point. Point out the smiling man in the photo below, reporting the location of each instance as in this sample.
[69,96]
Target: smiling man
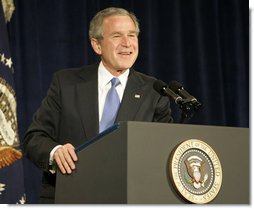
[83,102]
[118,45]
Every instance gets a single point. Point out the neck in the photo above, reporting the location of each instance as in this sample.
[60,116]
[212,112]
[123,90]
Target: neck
[117,73]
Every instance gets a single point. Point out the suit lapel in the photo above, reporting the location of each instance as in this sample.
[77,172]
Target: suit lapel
[132,98]
[87,99]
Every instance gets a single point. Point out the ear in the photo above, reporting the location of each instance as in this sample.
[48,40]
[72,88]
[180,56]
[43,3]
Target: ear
[96,46]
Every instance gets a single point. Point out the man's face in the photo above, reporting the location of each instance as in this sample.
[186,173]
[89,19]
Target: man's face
[119,46]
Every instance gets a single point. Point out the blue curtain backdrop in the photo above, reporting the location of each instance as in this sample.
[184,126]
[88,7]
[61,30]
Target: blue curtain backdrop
[204,44]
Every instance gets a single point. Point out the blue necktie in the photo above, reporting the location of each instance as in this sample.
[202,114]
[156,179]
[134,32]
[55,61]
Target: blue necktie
[111,106]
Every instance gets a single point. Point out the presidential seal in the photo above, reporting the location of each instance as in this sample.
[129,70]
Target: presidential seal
[195,171]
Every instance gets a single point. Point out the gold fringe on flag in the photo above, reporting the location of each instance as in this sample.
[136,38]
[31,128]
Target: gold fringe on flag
[8,8]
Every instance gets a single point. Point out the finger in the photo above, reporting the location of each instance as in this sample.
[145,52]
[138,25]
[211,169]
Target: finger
[73,154]
[59,163]
[68,158]
[61,153]
[71,151]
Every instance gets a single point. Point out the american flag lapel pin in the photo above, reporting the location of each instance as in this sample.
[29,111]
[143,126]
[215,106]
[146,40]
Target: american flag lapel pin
[137,96]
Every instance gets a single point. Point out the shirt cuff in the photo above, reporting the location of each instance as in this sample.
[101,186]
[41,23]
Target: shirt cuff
[51,159]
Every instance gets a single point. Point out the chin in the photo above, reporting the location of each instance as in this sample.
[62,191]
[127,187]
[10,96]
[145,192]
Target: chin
[126,65]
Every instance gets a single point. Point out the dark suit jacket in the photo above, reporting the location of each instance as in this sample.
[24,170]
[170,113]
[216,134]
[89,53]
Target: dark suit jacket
[69,112]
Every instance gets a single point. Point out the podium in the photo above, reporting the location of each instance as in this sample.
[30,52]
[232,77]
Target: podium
[129,164]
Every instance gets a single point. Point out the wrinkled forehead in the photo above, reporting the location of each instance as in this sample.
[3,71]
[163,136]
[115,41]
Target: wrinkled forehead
[119,23]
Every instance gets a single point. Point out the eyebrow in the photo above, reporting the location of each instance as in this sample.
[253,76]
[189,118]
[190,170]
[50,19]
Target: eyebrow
[120,33]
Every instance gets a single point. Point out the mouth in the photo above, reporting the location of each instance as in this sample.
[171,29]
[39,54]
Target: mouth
[125,53]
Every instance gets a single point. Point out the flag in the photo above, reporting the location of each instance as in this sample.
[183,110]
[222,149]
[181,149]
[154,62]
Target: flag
[11,167]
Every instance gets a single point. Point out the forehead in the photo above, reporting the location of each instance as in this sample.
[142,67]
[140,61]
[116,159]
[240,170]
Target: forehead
[118,22]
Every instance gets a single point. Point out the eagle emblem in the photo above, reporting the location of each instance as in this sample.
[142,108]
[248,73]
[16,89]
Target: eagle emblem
[195,167]
[9,139]
[195,171]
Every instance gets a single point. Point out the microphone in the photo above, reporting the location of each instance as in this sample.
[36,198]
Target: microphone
[178,89]
[162,89]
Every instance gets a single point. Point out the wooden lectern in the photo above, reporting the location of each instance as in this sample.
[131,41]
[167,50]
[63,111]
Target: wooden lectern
[129,164]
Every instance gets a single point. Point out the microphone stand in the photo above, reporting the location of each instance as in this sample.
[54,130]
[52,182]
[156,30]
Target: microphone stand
[189,108]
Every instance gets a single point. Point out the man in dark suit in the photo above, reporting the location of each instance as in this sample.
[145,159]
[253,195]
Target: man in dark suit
[73,108]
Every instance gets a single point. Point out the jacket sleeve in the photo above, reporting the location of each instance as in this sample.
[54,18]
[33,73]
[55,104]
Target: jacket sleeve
[41,136]
[163,111]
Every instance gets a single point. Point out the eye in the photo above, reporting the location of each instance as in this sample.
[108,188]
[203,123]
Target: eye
[116,35]
[132,35]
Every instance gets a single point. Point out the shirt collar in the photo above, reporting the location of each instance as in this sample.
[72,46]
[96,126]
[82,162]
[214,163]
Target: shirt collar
[105,76]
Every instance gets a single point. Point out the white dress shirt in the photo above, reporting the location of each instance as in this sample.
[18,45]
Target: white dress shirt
[104,84]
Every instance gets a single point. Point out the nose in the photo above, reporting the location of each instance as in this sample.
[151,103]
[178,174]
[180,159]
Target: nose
[126,41]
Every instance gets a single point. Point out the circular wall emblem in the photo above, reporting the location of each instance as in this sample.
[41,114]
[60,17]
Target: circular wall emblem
[196,171]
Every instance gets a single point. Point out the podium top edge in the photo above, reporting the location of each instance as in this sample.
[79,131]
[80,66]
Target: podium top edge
[97,137]
[180,124]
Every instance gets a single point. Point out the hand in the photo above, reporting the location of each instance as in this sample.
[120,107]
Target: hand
[65,157]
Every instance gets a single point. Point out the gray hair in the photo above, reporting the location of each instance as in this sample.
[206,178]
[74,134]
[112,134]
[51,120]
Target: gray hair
[96,24]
